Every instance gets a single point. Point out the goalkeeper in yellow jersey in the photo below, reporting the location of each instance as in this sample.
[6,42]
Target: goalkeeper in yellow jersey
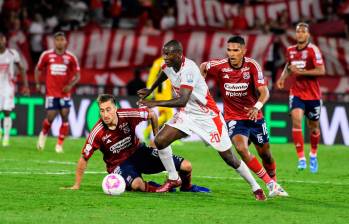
[163,92]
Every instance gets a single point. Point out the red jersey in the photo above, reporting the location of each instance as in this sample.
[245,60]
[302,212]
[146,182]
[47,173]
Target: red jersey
[119,144]
[305,87]
[238,86]
[59,70]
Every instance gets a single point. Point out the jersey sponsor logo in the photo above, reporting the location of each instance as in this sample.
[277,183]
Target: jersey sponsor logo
[87,149]
[239,94]
[120,145]
[299,64]
[227,69]
[58,69]
[235,87]
[246,75]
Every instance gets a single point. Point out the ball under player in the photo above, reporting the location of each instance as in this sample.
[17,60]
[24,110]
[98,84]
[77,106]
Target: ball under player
[114,135]
[198,113]
[9,62]
[240,78]
[305,63]
[163,92]
[62,72]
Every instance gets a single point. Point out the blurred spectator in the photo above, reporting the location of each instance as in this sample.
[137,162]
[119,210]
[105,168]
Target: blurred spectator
[36,31]
[168,21]
[96,10]
[239,22]
[135,84]
[281,23]
[115,12]
[75,13]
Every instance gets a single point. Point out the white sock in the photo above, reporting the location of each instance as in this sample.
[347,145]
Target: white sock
[245,173]
[7,127]
[167,160]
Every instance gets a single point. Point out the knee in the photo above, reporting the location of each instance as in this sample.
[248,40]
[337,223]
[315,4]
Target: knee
[186,166]
[138,184]
[242,150]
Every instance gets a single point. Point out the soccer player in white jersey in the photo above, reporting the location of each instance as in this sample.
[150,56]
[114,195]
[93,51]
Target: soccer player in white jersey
[198,113]
[9,60]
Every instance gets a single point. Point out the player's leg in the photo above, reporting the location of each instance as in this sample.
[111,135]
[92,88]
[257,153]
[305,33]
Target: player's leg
[51,106]
[63,130]
[267,159]
[312,111]
[297,113]
[7,128]
[162,141]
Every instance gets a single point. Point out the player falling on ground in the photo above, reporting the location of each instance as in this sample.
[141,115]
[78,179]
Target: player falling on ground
[9,61]
[114,135]
[62,72]
[239,78]
[198,113]
[304,62]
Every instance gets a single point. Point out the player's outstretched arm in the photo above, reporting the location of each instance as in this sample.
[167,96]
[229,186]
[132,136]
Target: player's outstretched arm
[143,93]
[26,90]
[179,101]
[154,121]
[80,170]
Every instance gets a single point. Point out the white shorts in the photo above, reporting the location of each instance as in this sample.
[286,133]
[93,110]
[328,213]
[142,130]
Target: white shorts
[7,100]
[211,130]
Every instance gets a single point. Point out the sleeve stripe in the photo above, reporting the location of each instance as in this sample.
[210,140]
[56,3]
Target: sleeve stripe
[258,67]
[94,133]
[42,56]
[317,52]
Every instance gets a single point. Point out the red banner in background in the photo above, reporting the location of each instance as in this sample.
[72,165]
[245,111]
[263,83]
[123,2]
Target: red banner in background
[213,13]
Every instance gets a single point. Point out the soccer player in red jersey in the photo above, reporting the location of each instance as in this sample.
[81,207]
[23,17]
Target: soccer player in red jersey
[240,78]
[305,63]
[62,72]
[114,135]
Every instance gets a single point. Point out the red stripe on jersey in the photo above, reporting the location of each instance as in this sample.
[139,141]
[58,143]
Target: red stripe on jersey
[211,103]
[219,124]
[186,87]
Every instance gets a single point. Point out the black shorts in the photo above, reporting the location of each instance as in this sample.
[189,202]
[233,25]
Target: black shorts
[311,108]
[144,161]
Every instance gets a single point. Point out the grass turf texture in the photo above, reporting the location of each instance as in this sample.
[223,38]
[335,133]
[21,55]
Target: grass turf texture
[30,192]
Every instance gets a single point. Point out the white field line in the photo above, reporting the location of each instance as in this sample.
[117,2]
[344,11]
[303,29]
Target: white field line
[8,172]
[40,161]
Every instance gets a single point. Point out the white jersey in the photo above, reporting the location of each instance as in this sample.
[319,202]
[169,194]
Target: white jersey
[201,103]
[7,68]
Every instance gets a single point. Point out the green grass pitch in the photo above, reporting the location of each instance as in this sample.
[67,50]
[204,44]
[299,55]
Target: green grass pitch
[30,192]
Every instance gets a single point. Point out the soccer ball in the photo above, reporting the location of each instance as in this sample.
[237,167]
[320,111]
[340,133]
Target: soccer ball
[113,184]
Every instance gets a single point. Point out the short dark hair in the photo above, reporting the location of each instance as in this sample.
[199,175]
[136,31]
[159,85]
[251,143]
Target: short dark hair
[236,39]
[102,98]
[303,24]
[176,45]
[2,34]
[59,34]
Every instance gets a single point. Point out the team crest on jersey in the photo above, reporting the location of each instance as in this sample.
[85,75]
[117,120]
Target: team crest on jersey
[124,127]
[227,70]
[304,54]
[246,75]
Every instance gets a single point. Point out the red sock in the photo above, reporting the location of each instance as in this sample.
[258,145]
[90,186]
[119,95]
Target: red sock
[314,141]
[63,131]
[257,168]
[149,187]
[271,169]
[46,125]
[186,179]
[298,142]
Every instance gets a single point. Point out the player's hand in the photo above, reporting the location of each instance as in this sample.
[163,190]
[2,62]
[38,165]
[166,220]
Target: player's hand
[26,91]
[295,70]
[67,88]
[252,113]
[74,187]
[147,103]
[142,93]
[280,83]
